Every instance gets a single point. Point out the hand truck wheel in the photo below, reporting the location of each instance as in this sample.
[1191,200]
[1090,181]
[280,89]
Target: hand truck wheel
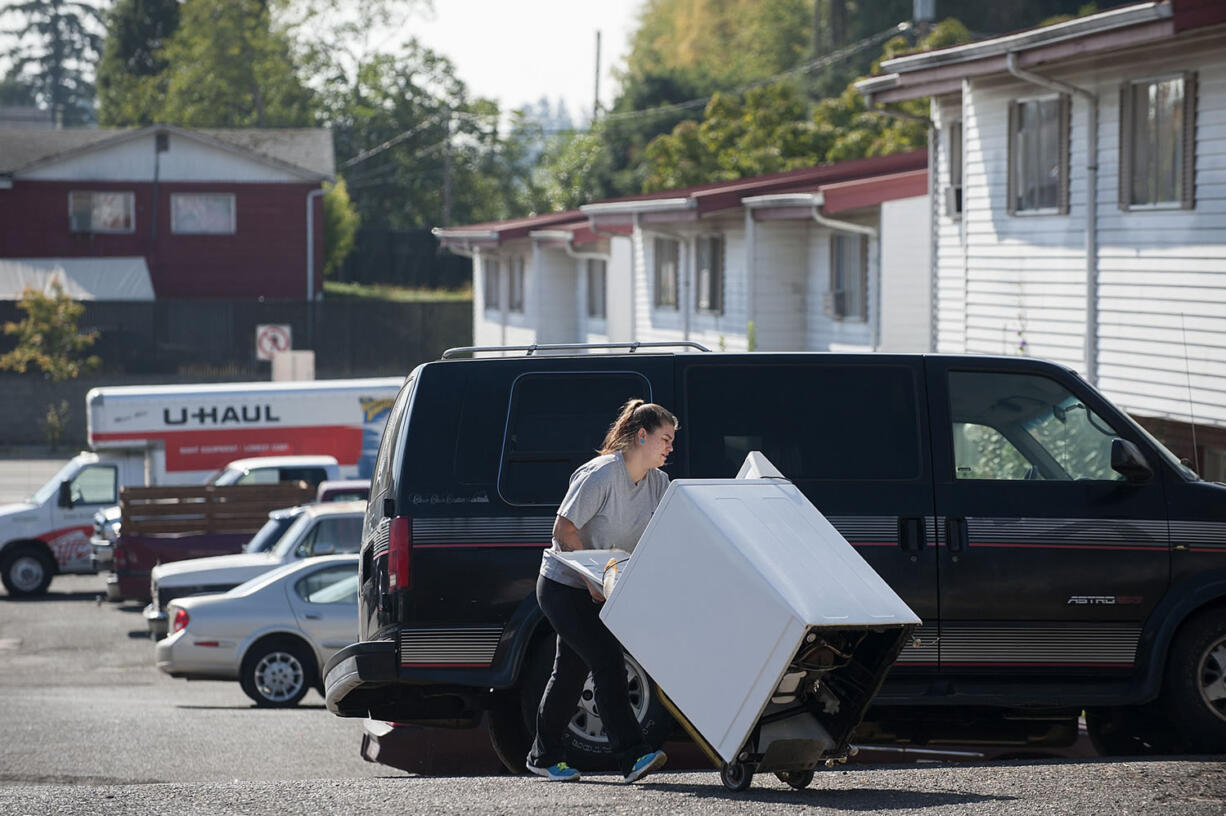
[797,779]
[736,776]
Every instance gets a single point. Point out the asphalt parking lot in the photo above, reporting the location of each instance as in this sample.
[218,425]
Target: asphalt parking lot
[90,726]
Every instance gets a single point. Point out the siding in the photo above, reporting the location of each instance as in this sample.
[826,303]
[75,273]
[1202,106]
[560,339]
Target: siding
[553,311]
[822,333]
[905,288]
[782,302]
[1162,273]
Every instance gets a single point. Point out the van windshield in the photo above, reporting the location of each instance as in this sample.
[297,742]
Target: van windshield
[44,493]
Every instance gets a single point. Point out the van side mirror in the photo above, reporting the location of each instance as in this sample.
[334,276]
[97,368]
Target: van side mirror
[1128,461]
[65,495]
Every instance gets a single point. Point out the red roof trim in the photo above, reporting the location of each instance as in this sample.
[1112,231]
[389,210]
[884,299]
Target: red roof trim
[852,195]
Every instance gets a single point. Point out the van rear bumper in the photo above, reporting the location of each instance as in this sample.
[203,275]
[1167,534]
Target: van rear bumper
[366,680]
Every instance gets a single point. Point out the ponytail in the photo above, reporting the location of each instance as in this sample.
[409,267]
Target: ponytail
[635,414]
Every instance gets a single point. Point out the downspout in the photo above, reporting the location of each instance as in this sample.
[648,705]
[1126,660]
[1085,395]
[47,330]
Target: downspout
[1091,240]
[859,229]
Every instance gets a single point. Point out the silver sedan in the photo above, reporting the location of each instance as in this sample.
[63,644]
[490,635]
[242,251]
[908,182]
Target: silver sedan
[272,634]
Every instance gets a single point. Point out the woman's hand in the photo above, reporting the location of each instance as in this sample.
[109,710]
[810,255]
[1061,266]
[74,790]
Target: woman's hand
[594,591]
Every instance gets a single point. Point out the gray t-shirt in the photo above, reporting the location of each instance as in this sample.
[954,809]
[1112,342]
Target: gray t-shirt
[609,509]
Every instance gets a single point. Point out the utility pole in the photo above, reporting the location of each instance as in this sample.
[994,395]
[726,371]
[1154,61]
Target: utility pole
[447,169]
[596,99]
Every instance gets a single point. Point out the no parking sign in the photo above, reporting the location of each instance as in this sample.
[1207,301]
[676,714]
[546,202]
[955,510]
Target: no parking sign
[271,339]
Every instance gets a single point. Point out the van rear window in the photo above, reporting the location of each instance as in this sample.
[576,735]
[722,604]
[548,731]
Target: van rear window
[813,422]
[556,423]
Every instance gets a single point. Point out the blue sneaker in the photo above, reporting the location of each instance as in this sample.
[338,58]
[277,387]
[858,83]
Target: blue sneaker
[555,773]
[646,764]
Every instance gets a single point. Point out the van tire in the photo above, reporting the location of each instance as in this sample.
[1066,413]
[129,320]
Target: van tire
[26,570]
[1195,673]
[512,717]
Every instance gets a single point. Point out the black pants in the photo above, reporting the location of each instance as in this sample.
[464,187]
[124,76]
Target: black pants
[583,643]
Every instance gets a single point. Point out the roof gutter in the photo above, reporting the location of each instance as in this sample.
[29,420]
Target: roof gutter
[567,239]
[639,206]
[1091,236]
[467,238]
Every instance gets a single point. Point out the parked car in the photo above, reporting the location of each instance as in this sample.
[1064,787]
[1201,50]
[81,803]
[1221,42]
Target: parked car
[343,490]
[1065,558]
[320,529]
[271,633]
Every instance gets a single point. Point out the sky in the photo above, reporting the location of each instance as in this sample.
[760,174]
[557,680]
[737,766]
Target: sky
[517,52]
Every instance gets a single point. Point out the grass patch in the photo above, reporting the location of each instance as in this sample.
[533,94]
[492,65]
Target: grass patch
[402,294]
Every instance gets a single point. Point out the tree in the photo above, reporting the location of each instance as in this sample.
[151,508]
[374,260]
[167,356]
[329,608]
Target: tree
[130,85]
[228,66]
[49,340]
[340,226]
[56,47]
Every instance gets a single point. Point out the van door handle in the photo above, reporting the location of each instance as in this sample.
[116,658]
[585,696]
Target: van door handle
[911,534]
[956,539]
[312,616]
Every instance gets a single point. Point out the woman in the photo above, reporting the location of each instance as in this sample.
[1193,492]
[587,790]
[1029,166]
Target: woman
[610,500]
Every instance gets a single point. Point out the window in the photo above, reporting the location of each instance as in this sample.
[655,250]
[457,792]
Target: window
[557,423]
[953,193]
[338,584]
[515,295]
[202,214]
[1157,142]
[101,212]
[332,534]
[709,294]
[95,485]
[1038,155]
[491,274]
[1024,426]
[814,422]
[847,298]
[666,255]
[597,280]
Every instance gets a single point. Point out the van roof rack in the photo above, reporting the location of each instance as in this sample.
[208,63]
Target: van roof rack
[535,347]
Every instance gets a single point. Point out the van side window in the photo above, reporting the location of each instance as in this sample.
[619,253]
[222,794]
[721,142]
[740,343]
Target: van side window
[1025,426]
[556,423]
[813,422]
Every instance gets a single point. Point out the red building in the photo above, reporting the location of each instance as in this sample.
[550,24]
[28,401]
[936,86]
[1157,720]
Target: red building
[163,211]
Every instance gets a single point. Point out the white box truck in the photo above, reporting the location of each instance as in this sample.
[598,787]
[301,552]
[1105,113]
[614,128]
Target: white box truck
[142,436]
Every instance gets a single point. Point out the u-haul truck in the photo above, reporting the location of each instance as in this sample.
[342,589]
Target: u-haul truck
[183,434]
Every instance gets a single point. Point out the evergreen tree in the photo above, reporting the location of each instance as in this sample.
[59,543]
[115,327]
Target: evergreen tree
[57,44]
[130,82]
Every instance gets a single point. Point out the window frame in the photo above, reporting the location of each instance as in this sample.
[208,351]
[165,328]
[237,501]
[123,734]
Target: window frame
[176,198]
[714,289]
[954,157]
[1063,150]
[128,196]
[1185,176]
[674,302]
[832,304]
[594,313]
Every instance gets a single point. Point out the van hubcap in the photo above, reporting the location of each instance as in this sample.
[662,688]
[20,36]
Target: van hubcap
[587,723]
[278,676]
[1211,676]
[27,573]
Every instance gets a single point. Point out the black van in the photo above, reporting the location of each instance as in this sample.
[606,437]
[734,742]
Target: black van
[1061,559]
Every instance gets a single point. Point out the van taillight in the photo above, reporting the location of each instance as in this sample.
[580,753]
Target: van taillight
[180,621]
[399,553]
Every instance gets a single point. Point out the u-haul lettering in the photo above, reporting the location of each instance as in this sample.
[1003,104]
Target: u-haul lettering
[220,415]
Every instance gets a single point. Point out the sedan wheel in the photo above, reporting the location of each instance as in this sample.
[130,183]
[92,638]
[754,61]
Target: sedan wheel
[277,674]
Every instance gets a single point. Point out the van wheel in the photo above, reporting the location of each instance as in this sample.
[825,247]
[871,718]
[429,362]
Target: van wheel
[277,673]
[26,570]
[512,716]
[1194,691]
